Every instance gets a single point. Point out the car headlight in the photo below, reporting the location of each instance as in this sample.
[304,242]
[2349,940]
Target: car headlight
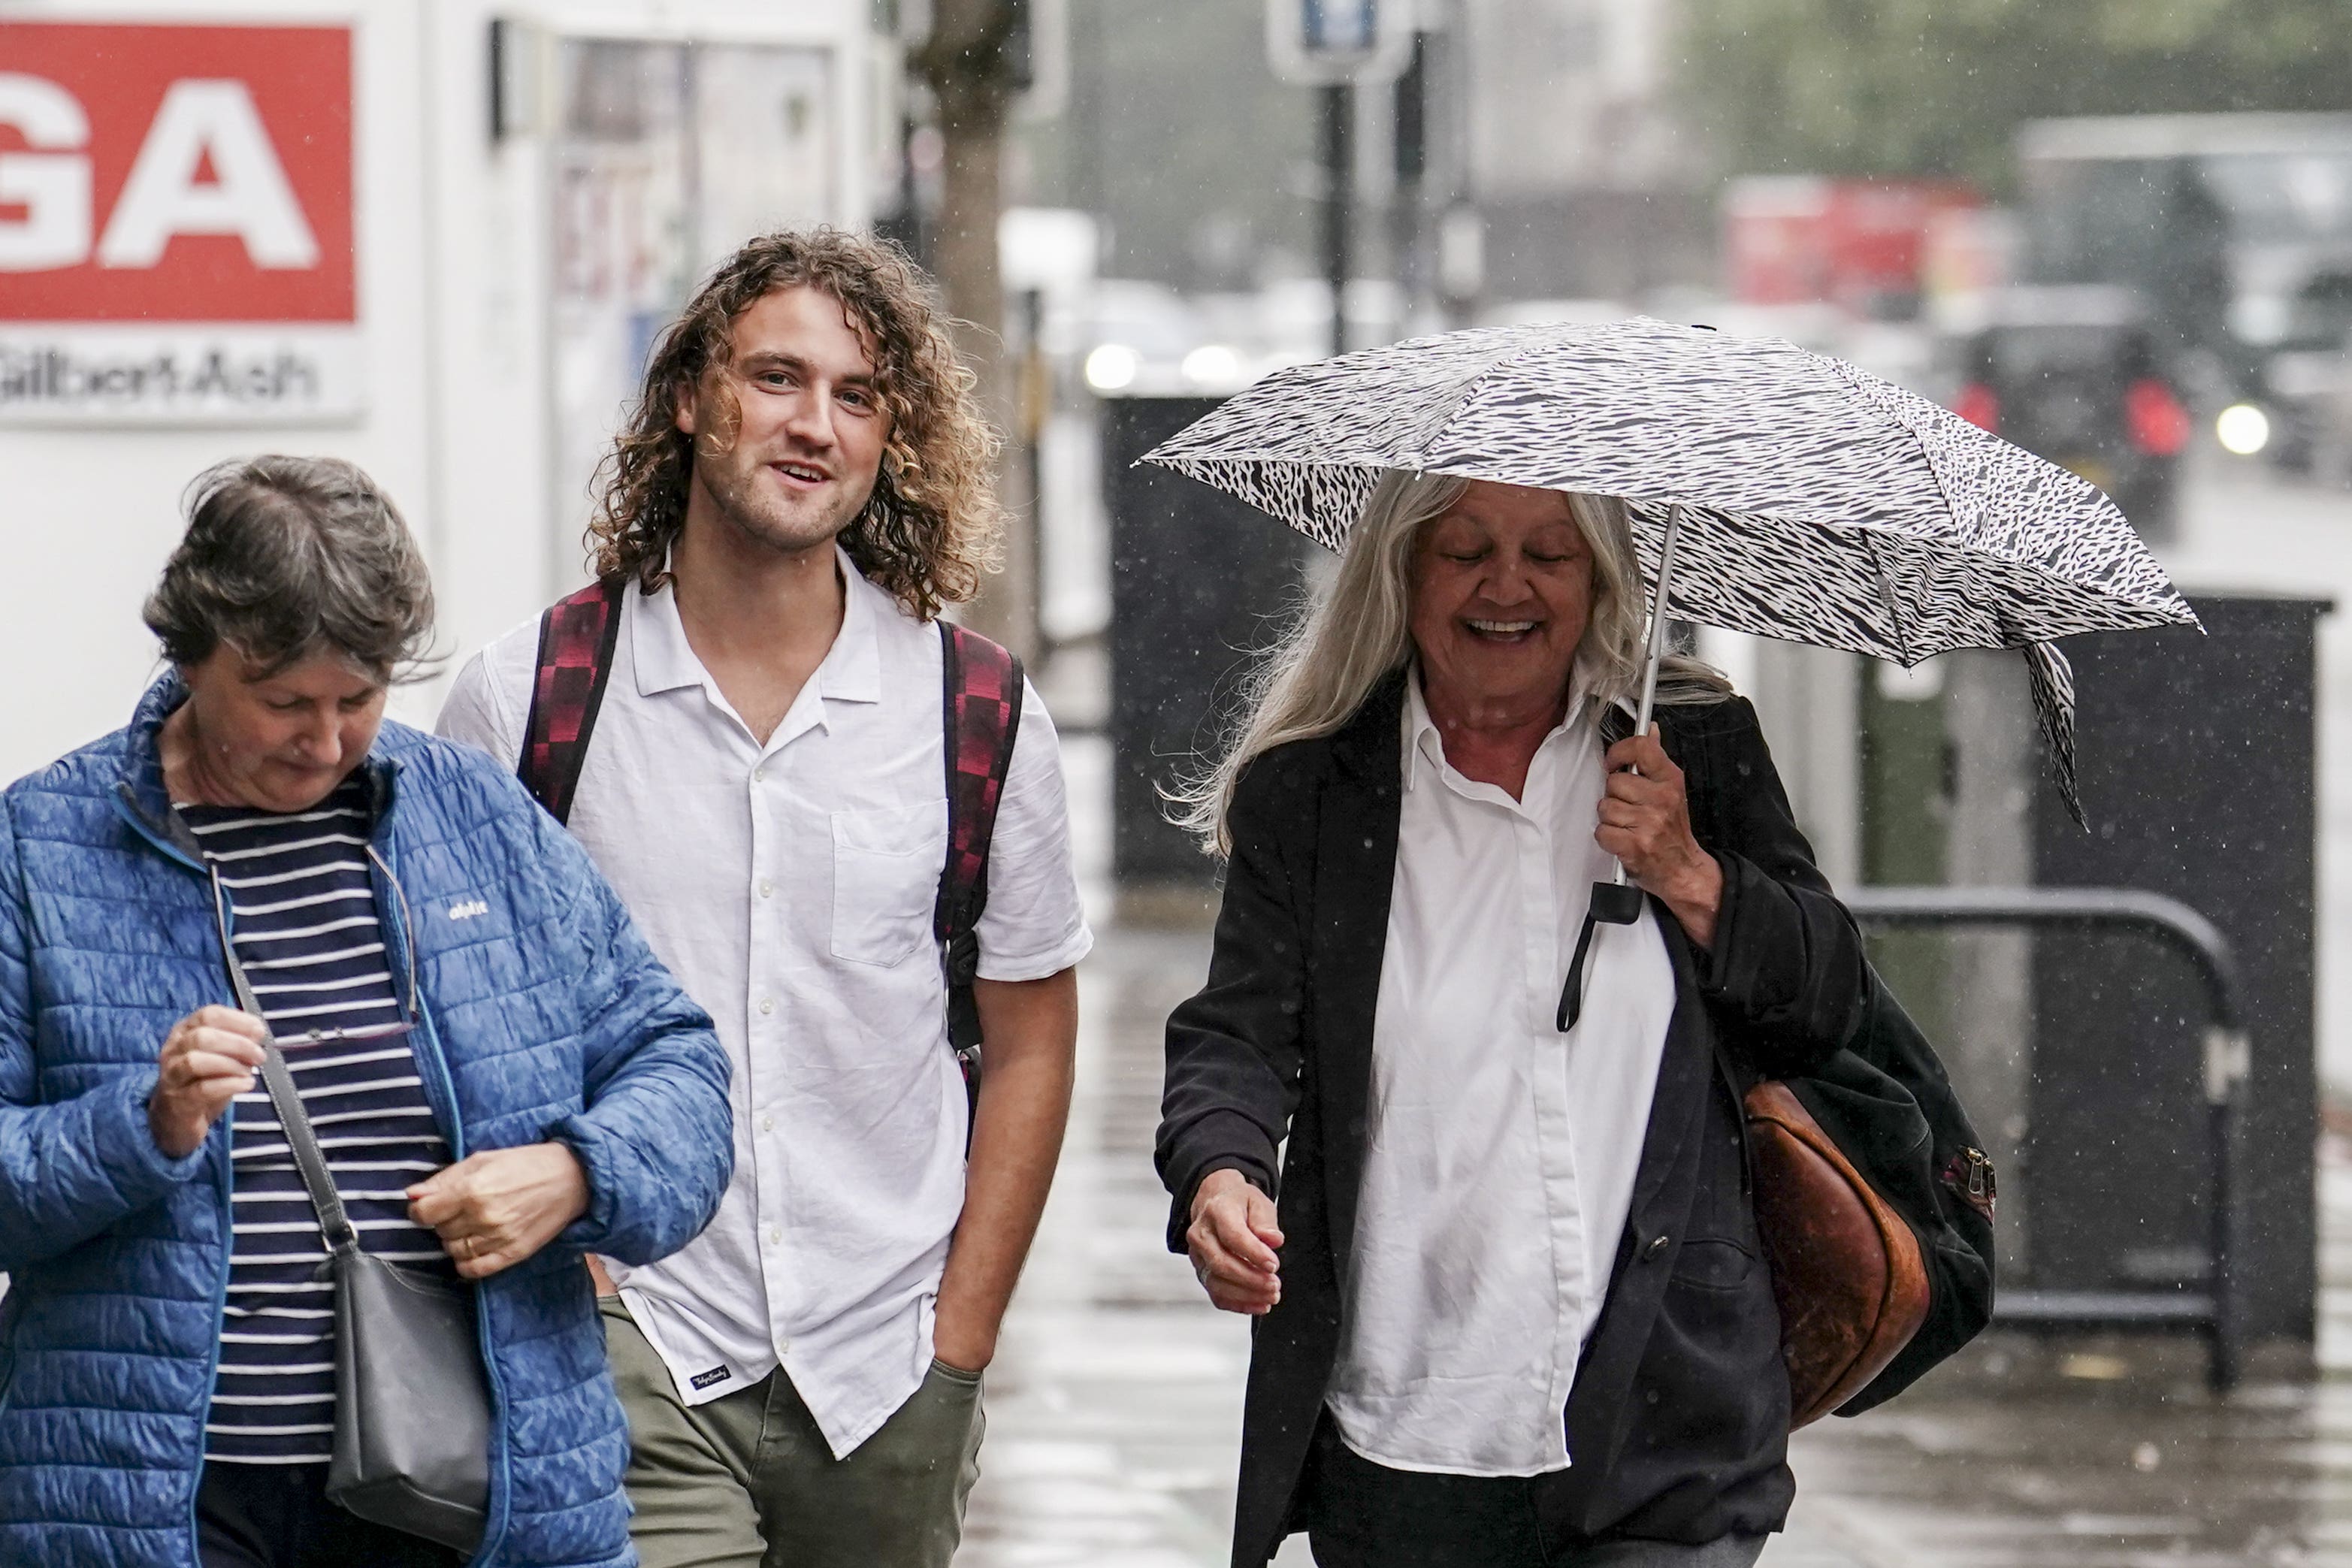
[2243,429]
[1113,366]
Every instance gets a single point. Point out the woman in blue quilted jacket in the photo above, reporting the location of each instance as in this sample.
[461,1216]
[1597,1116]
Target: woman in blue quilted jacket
[499,1075]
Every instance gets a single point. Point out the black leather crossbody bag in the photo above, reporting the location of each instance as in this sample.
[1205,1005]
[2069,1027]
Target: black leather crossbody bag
[412,1403]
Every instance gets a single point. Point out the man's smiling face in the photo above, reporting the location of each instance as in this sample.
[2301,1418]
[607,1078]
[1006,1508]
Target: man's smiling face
[810,426]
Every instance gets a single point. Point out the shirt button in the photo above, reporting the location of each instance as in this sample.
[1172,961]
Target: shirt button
[766,887]
[767,1004]
[759,775]
[775,1235]
[767,1124]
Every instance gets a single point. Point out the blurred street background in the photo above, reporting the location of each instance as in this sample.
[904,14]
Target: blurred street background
[437,238]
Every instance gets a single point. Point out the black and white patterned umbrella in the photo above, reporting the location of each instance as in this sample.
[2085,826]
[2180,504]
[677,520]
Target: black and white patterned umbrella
[1802,498]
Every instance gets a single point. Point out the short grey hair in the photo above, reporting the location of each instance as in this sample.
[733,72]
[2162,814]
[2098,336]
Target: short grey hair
[287,557]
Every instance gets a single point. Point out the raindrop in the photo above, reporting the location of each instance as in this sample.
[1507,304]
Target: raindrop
[2146,1458]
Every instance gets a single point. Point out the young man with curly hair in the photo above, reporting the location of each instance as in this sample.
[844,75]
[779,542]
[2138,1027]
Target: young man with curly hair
[804,483]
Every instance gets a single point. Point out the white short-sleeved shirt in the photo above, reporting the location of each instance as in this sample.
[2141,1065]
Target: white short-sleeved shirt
[1500,1155]
[790,887]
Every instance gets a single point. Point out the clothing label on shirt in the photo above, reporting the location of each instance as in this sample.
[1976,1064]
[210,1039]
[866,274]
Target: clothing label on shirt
[716,1375]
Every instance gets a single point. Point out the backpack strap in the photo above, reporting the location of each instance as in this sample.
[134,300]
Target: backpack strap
[980,713]
[576,636]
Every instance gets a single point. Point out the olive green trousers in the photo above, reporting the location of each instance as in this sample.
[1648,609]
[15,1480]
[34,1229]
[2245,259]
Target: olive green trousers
[749,1481]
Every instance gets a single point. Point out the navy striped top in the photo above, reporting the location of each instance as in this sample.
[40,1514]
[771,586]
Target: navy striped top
[308,933]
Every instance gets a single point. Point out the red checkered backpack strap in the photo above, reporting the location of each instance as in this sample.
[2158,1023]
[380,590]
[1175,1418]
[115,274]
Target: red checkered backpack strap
[981,710]
[575,658]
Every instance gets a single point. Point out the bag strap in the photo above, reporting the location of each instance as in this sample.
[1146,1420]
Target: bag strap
[981,714]
[333,1223]
[292,1119]
[576,636]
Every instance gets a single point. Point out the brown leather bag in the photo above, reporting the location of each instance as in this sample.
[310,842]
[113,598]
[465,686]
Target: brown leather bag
[1846,1270]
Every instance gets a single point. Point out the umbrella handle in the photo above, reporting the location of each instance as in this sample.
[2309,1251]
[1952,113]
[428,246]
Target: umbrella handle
[1657,634]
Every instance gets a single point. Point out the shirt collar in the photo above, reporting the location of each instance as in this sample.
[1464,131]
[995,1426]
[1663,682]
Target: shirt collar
[1423,746]
[851,669]
[665,662]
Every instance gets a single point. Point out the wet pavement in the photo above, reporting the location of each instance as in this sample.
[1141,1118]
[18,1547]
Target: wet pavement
[1115,1404]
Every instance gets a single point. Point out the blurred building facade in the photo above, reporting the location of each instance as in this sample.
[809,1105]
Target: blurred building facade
[1589,182]
[1552,121]
[433,236]
[1200,165]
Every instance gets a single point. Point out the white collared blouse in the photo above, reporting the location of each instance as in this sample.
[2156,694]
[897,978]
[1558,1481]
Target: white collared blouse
[1500,1155]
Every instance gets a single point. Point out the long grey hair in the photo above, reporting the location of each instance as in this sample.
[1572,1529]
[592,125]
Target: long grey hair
[1354,632]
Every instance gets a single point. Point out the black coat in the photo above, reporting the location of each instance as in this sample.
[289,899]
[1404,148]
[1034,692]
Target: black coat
[1677,1425]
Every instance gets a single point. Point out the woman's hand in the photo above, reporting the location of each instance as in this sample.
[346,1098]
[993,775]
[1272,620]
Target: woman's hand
[1646,823]
[496,1208]
[208,1059]
[1232,1238]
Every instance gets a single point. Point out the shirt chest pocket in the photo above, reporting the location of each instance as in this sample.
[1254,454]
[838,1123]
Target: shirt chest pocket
[885,880]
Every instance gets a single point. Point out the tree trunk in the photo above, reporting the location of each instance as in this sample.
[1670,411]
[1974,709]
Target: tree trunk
[966,64]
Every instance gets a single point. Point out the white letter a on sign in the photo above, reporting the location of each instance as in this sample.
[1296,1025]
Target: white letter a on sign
[248,195]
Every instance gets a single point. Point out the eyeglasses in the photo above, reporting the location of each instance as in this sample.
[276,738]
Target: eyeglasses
[321,1035]
[364,1032]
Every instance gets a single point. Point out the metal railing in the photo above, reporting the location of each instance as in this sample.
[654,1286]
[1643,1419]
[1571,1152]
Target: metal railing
[2215,1313]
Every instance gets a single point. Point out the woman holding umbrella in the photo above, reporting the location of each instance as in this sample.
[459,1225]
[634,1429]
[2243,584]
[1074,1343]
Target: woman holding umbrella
[1514,1310]
[1513,1304]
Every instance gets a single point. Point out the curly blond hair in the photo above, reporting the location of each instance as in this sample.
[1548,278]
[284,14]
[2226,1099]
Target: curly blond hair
[933,523]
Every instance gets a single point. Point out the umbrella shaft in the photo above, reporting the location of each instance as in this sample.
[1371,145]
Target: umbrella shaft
[1657,635]
[1658,621]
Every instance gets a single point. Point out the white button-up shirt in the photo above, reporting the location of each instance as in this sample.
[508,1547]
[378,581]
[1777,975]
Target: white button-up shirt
[1500,1155]
[790,887]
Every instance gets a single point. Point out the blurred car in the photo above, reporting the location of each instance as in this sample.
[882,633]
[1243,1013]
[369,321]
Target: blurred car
[2073,374]
[2307,378]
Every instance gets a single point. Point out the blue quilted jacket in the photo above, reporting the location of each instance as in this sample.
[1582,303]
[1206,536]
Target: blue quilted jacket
[544,1016]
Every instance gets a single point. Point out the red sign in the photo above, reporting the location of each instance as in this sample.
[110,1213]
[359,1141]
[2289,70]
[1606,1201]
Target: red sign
[175,173]
[1798,238]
